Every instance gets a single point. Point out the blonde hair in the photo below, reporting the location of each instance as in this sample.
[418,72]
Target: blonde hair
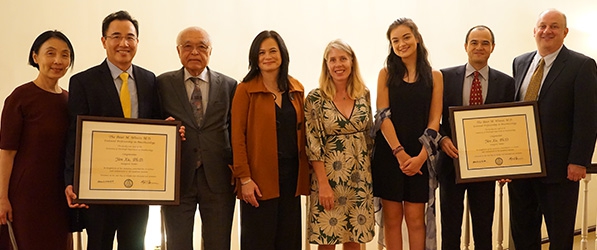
[355,86]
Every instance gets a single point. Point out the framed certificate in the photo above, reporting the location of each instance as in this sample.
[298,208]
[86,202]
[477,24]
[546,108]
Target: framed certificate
[127,161]
[497,141]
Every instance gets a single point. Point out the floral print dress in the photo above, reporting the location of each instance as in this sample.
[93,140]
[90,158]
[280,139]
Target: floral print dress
[343,144]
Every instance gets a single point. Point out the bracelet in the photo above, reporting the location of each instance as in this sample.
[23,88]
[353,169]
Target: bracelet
[246,182]
[397,150]
[442,139]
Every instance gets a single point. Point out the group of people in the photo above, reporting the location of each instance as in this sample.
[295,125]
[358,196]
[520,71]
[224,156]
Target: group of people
[275,144]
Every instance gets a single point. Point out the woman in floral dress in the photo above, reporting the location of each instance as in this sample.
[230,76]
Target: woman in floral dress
[338,118]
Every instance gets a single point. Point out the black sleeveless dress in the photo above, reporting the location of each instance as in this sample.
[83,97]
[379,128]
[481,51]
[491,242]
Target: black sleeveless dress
[409,104]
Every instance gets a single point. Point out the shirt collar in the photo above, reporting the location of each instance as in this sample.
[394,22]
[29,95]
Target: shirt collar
[203,75]
[484,72]
[549,59]
[115,71]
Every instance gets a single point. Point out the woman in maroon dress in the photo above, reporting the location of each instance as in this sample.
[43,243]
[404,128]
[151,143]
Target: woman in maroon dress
[33,129]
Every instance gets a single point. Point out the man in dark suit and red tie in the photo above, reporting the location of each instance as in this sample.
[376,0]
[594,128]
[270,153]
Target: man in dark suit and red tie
[200,98]
[115,88]
[564,83]
[474,83]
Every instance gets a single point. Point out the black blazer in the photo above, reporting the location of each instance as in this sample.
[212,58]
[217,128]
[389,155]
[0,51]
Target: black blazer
[567,110]
[211,140]
[92,92]
[500,88]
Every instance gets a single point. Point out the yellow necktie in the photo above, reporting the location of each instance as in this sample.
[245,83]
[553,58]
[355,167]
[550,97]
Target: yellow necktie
[535,83]
[125,95]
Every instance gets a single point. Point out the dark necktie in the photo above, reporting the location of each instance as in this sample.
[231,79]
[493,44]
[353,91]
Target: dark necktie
[476,97]
[197,101]
[535,83]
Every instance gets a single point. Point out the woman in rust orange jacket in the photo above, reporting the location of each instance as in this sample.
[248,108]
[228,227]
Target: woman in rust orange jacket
[268,145]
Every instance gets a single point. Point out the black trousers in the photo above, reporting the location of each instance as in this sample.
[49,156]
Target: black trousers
[216,210]
[275,224]
[530,199]
[481,199]
[129,221]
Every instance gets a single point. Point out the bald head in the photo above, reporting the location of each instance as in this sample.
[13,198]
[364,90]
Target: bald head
[194,49]
[191,30]
[553,12]
[550,31]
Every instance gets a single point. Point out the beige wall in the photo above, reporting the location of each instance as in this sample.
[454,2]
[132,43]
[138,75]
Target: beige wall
[305,25]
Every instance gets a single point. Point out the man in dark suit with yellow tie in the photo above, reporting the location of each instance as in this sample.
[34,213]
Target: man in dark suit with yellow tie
[200,98]
[564,83]
[115,88]
[474,83]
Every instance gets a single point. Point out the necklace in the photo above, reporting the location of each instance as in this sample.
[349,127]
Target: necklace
[340,98]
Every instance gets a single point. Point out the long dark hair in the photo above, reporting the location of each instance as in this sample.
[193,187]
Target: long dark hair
[254,58]
[394,64]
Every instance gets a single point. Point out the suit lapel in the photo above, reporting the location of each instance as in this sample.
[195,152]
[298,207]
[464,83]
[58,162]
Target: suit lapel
[214,90]
[139,84]
[520,71]
[180,91]
[492,87]
[107,84]
[460,81]
[556,69]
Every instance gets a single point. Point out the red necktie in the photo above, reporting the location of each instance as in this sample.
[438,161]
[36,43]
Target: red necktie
[476,97]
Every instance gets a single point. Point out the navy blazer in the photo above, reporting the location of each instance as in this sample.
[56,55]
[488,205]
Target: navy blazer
[567,110]
[211,140]
[92,92]
[500,88]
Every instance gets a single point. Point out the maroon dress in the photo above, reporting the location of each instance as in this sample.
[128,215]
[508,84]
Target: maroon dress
[34,123]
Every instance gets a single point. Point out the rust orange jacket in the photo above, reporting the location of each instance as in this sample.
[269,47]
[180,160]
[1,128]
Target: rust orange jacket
[254,138]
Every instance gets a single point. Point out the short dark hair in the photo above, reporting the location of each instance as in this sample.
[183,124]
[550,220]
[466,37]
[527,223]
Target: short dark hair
[122,15]
[42,38]
[481,27]
[254,58]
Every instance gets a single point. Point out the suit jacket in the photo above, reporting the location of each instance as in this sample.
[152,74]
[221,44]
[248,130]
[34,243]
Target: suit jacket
[211,140]
[92,92]
[567,110]
[500,88]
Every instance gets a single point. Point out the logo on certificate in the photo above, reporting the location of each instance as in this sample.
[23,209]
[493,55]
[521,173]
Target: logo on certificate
[499,161]
[128,183]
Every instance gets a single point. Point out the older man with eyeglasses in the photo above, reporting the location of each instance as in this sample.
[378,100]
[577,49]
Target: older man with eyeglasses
[201,99]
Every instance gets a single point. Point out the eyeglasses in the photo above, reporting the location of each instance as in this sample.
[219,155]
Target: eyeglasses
[118,38]
[191,48]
